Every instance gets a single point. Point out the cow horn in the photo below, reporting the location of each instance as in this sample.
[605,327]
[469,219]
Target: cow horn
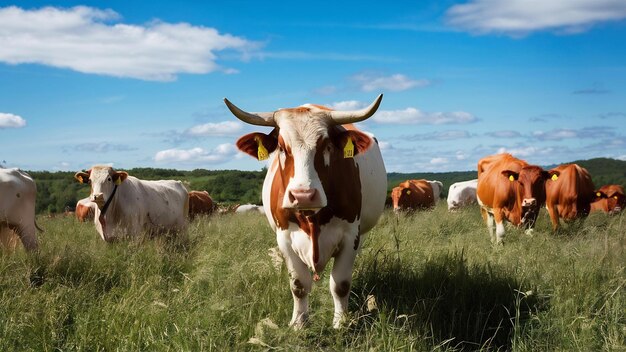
[254,118]
[344,117]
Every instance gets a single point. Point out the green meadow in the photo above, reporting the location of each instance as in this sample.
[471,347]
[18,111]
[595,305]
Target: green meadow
[423,281]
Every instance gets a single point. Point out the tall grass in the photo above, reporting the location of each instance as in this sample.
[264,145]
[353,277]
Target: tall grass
[438,284]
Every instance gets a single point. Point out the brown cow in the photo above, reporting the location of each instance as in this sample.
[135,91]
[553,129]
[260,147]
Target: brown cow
[85,210]
[412,195]
[610,199]
[569,193]
[200,203]
[509,188]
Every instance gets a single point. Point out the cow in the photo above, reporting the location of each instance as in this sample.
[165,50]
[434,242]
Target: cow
[569,193]
[249,208]
[17,208]
[437,187]
[609,199]
[200,203]
[412,195]
[85,210]
[461,194]
[509,189]
[126,205]
[324,189]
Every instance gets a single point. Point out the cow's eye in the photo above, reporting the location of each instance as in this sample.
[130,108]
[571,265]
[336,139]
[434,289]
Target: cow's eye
[109,179]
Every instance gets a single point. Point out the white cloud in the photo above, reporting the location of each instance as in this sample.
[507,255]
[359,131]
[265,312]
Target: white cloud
[395,83]
[504,134]
[519,17]
[221,153]
[415,116]
[11,121]
[568,133]
[99,147]
[224,128]
[84,39]
[438,161]
[526,151]
[439,136]
[348,105]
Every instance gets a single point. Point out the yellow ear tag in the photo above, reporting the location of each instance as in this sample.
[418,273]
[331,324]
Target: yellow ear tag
[615,197]
[511,178]
[348,150]
[599,194]
[118,181]
[555,177]
[261,152]
[80,178]
[408,192]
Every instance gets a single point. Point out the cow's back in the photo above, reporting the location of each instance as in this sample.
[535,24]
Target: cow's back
[373,186]
[571,191]
[18,191]
[493,190]
[163,203]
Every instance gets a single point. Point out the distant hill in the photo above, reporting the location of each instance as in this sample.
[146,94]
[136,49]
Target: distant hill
[57,191]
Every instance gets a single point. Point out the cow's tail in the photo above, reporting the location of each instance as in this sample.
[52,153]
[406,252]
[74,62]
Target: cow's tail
[39,228]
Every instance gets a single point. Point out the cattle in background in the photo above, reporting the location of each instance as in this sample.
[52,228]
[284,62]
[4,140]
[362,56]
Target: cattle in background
[437,187]
[609,199]
[462,194]
[127,206]
[200,203]
[412,195]
[324,189]
[249,208]
[509,189]
[85,210]
[17,208]
[569,193]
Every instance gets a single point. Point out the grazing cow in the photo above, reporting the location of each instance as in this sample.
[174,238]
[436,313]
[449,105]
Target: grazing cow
[462,194]
[509,188]
[609,199]
[17,208]
[437,187]
[324,189]
[127,205]
[200,203]
[85,210]
[569,193]
[249,208]
[413,195]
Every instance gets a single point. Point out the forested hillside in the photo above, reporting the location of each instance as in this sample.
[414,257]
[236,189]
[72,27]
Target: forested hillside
[58,190]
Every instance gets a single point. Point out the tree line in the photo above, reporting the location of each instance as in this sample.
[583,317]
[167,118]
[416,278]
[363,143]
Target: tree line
[59,191]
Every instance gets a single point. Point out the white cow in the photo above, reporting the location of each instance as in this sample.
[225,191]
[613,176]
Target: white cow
[324,189]
[250,208]
[461,194]
[128,205]
[437,187]
[17,207]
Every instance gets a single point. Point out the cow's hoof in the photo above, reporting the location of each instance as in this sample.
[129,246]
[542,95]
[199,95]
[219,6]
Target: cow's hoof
[340,321]
[299,323]
[529,232]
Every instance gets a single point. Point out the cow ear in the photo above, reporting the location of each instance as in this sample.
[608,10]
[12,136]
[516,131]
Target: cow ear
[352,142]
[598,195]
[552,175]
[82,177]
[119,177]
[511,175]
[258,145]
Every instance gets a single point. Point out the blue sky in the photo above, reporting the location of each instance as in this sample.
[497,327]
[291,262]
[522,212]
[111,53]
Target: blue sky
[140,84]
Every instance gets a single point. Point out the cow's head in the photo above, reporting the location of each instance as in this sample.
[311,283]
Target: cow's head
[612,199]
[308,141]
[102,180]
[530,181]
[401,196]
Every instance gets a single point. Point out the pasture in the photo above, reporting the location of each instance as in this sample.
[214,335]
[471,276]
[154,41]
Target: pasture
[437,282]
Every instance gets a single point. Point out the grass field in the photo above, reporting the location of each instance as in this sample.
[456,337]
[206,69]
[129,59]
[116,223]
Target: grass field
[437,281]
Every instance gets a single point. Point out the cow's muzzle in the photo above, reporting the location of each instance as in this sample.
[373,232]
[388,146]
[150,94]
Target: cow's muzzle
[529,203]
[98,199]
[304,198]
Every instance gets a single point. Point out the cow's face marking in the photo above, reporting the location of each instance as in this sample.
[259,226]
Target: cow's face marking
[531,188]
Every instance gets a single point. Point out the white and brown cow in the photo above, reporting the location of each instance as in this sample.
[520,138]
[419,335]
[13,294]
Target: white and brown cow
[325,188]
[128,206]
[17,208]
[461,194]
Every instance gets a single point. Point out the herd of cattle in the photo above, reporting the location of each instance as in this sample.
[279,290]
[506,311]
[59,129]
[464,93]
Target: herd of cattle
[325,188]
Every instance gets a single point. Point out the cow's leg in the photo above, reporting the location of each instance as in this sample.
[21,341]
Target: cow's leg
[300,281]
[554,216]
[499,219]
[490,225]
[340,282]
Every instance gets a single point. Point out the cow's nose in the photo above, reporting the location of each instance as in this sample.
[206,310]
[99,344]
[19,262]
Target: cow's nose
[529,202]
[304,198]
